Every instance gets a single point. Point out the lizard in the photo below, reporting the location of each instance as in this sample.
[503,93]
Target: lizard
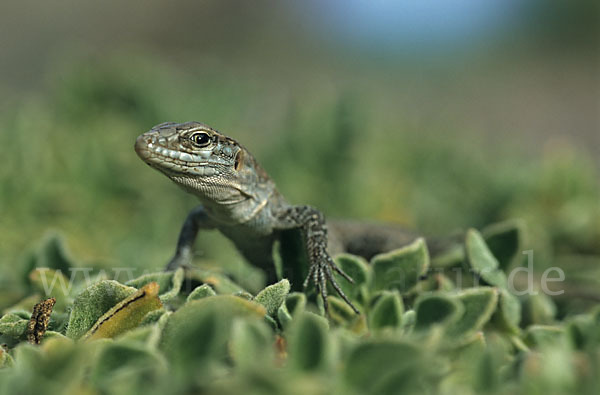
[239,199]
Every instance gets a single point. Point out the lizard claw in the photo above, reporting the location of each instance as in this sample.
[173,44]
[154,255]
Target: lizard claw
[320,273]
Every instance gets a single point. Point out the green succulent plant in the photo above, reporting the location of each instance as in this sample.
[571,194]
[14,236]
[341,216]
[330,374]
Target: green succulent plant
[417,332]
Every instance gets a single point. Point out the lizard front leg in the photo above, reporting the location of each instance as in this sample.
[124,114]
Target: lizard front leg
[197,219]
[314,233]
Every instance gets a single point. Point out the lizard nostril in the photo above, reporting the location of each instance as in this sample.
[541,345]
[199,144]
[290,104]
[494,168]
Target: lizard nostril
[237,164]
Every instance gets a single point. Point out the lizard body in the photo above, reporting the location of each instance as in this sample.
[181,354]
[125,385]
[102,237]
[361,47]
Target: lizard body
[240,200]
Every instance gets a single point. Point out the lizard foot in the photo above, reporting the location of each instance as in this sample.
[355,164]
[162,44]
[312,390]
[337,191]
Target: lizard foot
[320,273]
[182,258]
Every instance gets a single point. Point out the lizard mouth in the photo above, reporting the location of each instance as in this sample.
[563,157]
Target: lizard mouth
[172,161]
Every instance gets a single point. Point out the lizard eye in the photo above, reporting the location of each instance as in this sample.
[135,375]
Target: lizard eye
[200,139]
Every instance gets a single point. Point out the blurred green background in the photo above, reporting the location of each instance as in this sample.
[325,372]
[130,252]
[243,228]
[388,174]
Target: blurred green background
[438,115]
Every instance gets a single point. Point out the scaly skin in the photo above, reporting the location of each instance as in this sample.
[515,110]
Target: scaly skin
[238,198]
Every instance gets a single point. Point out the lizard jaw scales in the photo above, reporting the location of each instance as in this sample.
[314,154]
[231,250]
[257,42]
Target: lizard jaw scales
[172,159]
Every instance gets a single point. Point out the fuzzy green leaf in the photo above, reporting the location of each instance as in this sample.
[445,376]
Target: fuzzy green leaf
[386,311]
[450,257]
[383,367]
[309,343]
[401,269]
[273,296]
[200,292]
[283,316]
[169,283]
[219,282]
[199,330]
[436,308]
[508,314]
[55,365]
[482,261]
[140,335]
[339,311]
[479,305]
[5,359]
[358,269]
[13,325]
[540,335]
[538,309]
[153,316]
[251,343]
[93,303]
[127,367]
[583,332]
[295,302]
[504,240]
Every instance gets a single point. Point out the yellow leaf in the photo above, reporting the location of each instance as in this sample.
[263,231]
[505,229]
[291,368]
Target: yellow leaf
[127,314]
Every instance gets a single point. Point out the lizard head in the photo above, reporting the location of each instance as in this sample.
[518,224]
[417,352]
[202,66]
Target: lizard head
[204,162]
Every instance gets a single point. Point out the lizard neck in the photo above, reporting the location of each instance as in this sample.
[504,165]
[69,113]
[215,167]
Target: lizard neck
[238,207]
